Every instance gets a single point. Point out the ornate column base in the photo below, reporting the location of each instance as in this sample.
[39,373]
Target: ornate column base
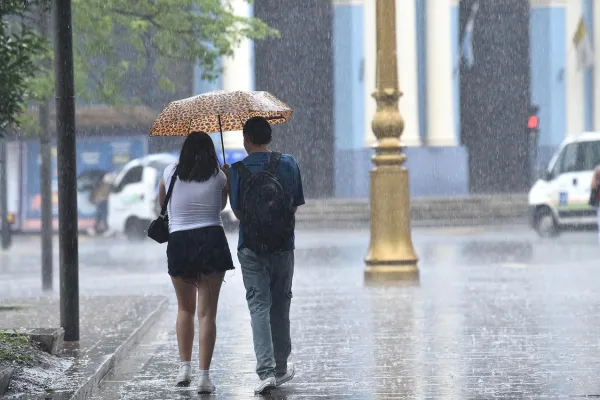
[403,275]
[391,255]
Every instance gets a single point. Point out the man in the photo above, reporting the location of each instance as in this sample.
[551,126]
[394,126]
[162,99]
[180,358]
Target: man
[265,192]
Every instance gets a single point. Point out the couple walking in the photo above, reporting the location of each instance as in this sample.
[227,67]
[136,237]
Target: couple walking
[265,190]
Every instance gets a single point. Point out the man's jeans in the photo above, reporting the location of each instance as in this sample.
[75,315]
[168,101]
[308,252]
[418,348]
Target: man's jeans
[268,282]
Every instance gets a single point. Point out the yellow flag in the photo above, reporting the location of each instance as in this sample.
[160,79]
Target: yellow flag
[583,45]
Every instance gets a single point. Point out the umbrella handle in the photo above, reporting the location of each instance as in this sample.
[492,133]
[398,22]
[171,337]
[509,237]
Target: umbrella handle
[222,142]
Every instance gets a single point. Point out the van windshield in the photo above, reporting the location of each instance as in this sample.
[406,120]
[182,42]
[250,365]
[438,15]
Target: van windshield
[159,166]
[590,153]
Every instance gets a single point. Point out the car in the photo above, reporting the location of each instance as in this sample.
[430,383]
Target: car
[132,203]
[559,199]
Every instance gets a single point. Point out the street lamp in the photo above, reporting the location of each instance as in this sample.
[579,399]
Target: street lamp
[391,255]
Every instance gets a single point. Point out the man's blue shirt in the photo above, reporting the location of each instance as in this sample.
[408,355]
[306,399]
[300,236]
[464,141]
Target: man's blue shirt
[287,172]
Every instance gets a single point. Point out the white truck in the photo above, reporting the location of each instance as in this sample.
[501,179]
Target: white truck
[559,199]
[133,201]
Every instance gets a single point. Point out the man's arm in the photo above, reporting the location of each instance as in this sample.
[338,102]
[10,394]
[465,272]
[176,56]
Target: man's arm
[298,189]
[233,188]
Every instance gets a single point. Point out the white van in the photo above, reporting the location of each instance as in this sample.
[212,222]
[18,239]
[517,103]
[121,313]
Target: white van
[133,201]
[559,199]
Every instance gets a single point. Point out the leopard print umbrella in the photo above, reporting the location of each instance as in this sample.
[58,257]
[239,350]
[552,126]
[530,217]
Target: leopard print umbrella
[218,111]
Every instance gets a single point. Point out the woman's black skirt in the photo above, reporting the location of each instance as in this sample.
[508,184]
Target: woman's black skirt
[196,252]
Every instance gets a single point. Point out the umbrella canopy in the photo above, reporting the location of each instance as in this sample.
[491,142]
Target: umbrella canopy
[219,111]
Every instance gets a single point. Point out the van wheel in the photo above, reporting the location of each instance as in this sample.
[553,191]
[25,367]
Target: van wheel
[135,229]
[546,225]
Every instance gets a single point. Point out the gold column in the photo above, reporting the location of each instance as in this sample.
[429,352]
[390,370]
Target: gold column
[391,255]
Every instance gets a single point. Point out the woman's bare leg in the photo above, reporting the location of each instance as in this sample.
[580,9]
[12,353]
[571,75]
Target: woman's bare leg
[209,288]
[186,310]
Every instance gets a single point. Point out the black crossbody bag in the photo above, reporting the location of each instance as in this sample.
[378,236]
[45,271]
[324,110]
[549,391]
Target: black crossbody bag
[159,228]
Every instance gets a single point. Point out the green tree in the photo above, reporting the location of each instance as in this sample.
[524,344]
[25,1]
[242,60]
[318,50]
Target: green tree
[156,35]
[19,46]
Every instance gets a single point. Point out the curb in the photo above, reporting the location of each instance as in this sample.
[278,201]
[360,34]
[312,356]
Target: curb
[87,389]
[444,223]
[439,223]
[5,375]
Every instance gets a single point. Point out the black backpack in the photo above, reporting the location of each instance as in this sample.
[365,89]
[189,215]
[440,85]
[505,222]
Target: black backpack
[268,218]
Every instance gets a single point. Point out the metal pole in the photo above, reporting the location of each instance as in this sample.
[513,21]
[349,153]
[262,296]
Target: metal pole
[391,255]
[6,239]
[67,175]
[222,142]
[46,194]
[46,178]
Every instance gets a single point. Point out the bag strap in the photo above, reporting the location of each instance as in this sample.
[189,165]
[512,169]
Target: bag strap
[273,161]
[163,211]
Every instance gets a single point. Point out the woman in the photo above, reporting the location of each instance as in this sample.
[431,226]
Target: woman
[198,253]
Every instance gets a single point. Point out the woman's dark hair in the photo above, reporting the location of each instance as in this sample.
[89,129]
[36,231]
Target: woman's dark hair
[198,159]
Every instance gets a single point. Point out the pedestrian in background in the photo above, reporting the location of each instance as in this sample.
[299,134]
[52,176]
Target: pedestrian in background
[198,253]
[99,197]
[266,190]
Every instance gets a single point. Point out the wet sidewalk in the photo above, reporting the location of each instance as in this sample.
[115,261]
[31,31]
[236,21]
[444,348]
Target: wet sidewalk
[499,316]
[109,327]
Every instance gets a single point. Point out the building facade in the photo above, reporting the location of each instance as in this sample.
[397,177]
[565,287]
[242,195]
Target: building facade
[441,158]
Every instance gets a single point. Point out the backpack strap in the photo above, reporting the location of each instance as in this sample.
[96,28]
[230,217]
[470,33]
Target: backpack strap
[242,170]
[244,176]
[273,161]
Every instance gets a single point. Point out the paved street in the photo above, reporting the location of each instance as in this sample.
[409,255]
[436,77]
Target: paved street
[497,314]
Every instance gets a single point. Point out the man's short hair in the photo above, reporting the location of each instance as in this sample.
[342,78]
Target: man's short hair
[258,131]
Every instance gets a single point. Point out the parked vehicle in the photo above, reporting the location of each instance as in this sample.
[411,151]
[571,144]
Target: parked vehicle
[133,202]
[559,199]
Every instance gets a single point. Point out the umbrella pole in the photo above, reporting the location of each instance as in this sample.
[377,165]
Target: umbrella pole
[222,142]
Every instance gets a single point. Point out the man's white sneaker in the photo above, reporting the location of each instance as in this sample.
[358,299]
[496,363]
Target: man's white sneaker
[265,385]
[281,379]
[184,377]
[206,386]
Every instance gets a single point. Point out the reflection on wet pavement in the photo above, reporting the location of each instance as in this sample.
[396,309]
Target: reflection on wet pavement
[497,315]
[506,251]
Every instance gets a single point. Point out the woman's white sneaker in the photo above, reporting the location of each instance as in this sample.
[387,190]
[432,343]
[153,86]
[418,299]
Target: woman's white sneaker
[265,385]
[184,377]
[206,386]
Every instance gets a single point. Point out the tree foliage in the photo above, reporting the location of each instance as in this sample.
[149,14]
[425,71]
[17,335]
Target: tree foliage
[117,40]
[19,46]
[156,35]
